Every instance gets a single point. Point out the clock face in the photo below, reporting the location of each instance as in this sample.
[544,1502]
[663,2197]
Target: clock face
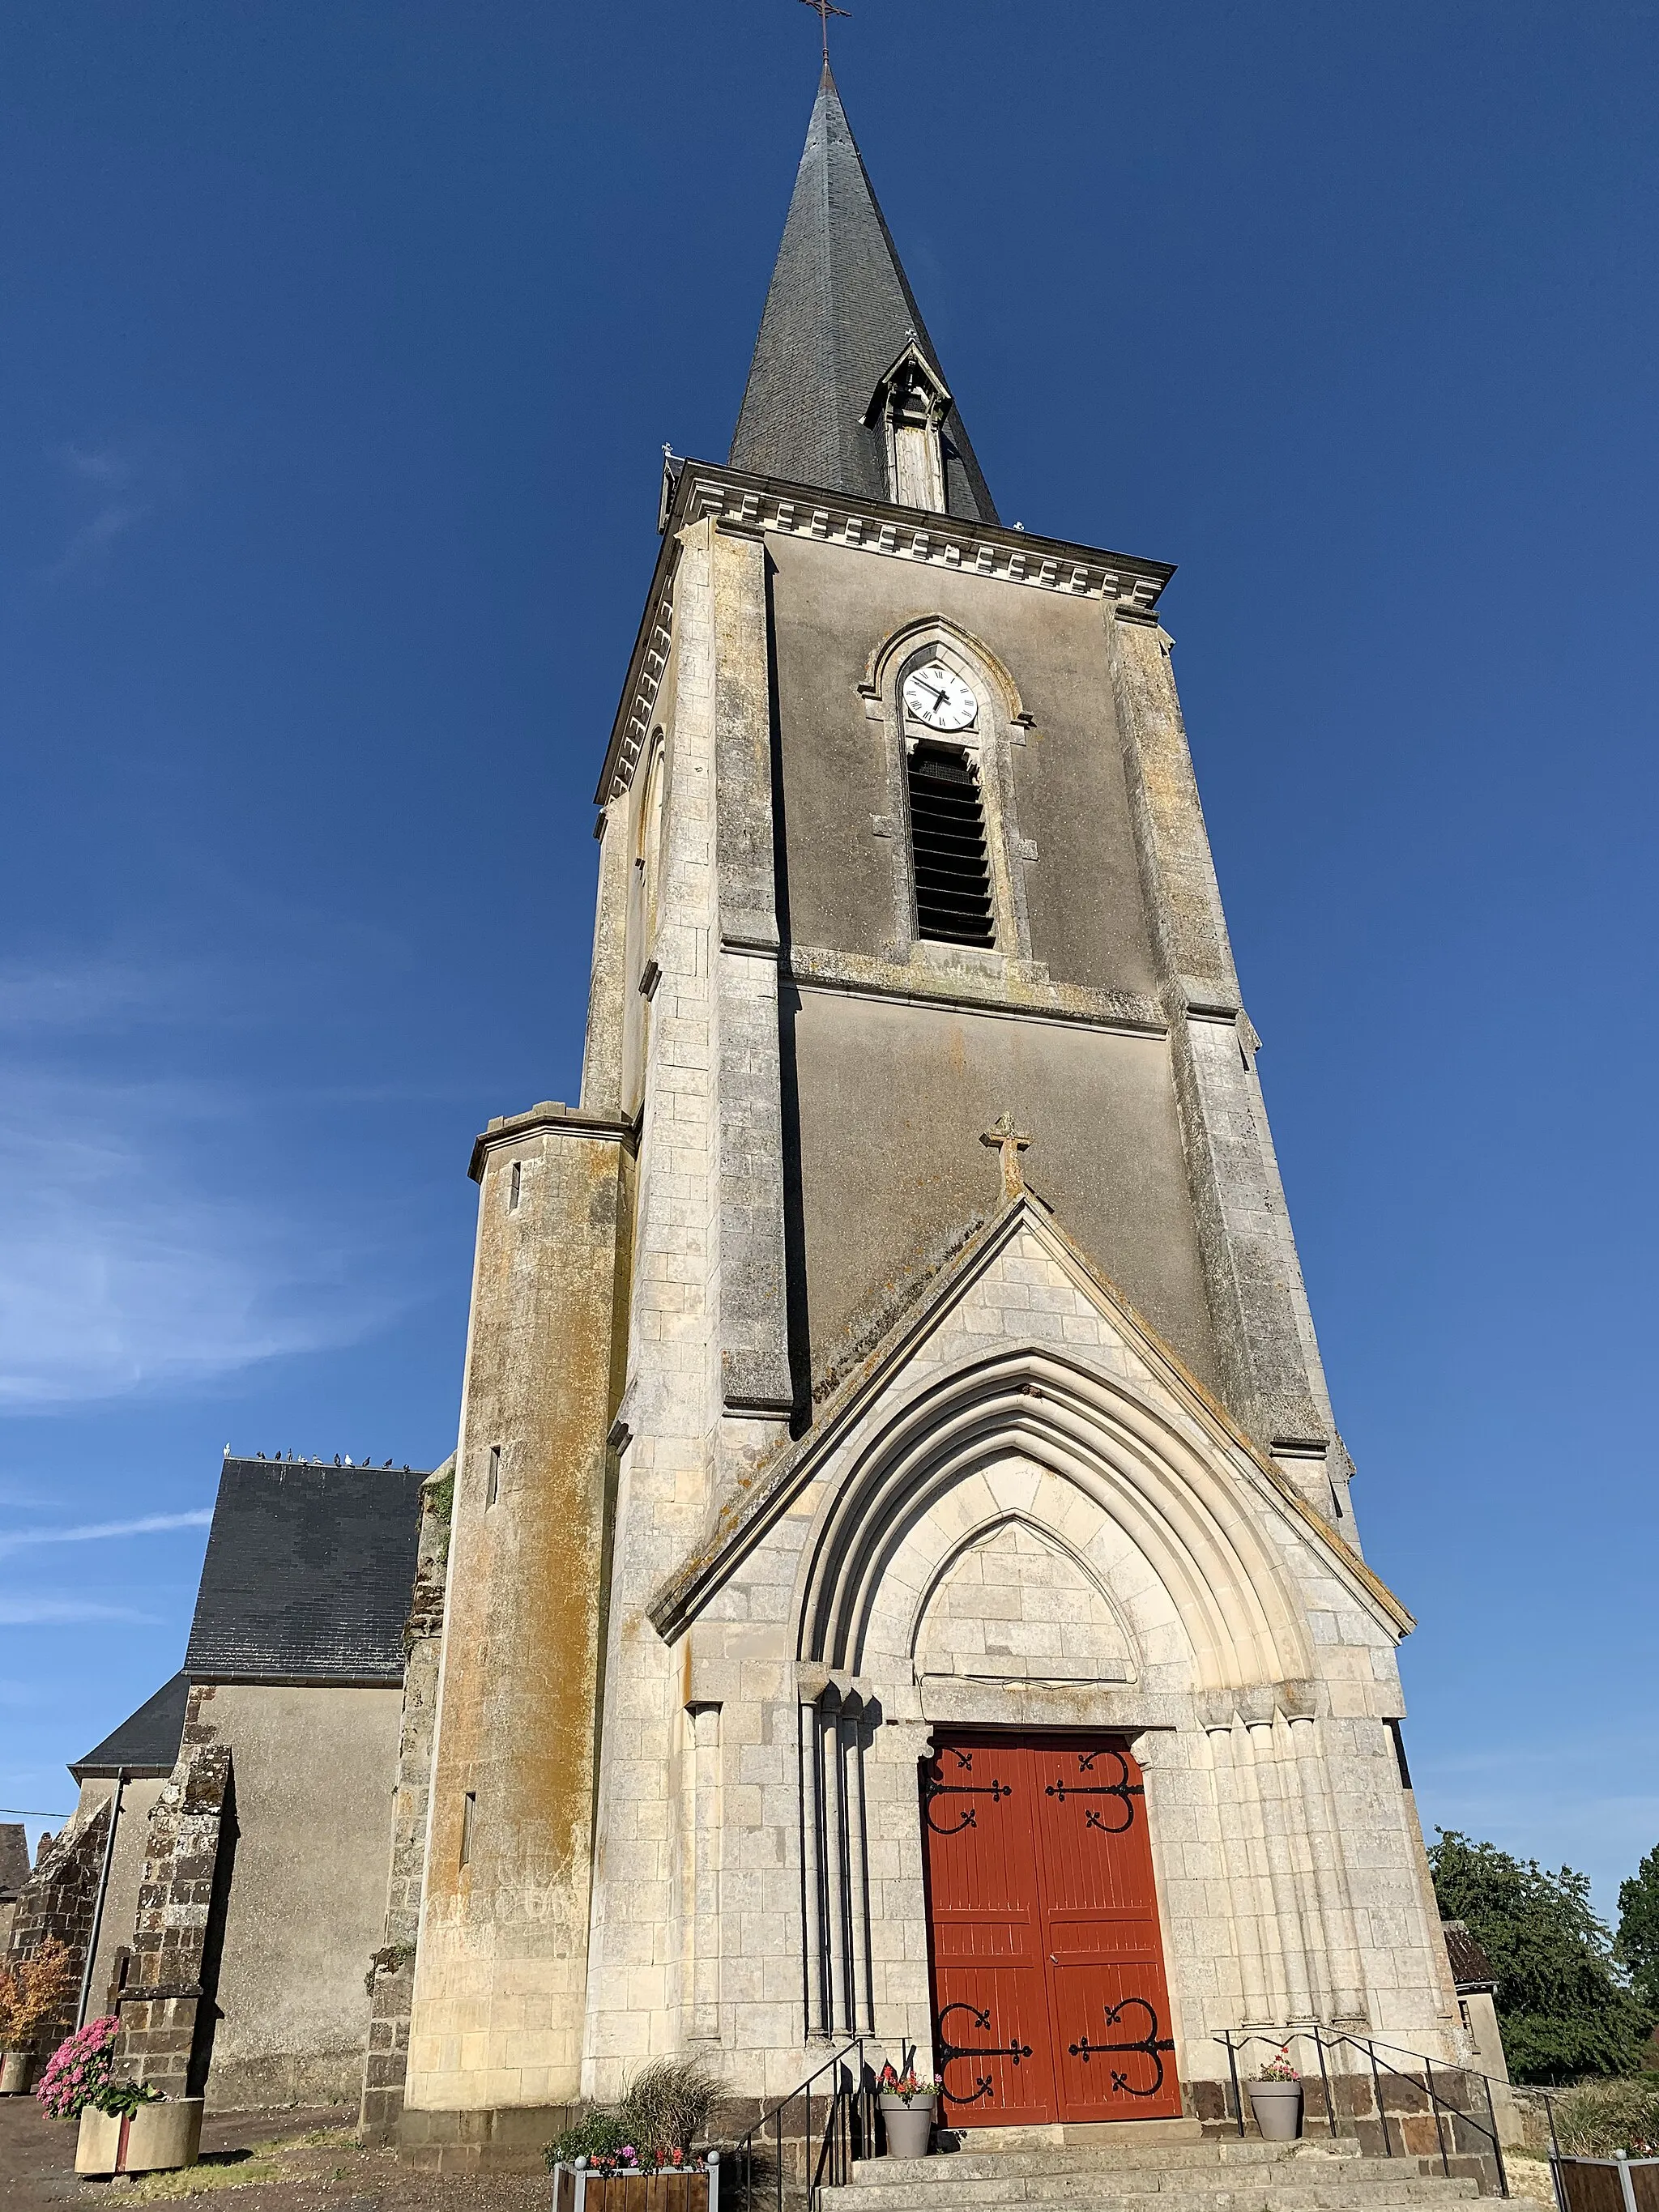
[935,695]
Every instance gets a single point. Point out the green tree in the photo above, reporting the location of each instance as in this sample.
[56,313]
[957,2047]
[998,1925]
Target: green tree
[1565,2008]
[1636,1944]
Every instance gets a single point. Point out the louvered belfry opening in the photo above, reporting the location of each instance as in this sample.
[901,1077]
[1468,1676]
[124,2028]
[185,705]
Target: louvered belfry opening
[947,844]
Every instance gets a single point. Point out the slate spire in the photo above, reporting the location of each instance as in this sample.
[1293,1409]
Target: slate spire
[839,312]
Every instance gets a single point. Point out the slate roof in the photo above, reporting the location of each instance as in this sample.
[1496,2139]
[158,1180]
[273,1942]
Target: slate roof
[147,1741]
[839,312]
[1471,1968]
[308,1574]
[14,1857]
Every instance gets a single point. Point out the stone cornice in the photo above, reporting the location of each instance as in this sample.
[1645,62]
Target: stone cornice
[1024,992]
[550,1114]
[762,505]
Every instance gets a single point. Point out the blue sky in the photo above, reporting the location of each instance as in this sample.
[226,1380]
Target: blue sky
[342,344]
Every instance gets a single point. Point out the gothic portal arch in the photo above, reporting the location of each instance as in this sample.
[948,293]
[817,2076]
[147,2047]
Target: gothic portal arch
[1100,1463]
[1013,1600]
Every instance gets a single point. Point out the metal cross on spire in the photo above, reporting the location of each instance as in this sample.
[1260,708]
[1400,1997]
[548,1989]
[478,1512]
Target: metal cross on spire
[1003,1137]
[826,9]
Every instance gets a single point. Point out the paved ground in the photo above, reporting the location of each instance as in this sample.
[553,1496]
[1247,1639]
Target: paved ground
[283,2162]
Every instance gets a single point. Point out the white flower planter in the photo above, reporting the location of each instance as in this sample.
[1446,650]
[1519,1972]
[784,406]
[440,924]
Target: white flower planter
[158,2137]
[16,2073]
[909,2127]
[1277,2109]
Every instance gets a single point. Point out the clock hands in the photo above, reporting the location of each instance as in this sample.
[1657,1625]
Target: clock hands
[944,691]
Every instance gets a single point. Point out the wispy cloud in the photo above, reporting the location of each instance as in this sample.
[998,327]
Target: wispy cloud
[92,1532]
[106,468]
[101,993]
[64,1612]
[121,489]
[132,1256]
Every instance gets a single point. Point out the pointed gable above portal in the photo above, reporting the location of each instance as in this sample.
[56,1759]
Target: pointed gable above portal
[839,316]
[1016,1333]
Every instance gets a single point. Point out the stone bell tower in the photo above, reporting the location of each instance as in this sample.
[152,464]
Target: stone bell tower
[815,1448]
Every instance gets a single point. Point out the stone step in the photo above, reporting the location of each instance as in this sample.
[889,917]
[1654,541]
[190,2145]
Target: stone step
[1113,2150]
[1065,2179]
[1094,2193]
[1102,2189]
[1364,2176]
[1225,2166]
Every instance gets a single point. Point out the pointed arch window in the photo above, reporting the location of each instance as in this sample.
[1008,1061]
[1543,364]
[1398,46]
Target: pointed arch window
[950,864]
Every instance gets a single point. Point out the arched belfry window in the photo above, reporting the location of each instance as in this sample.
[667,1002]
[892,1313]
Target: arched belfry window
[950,714]
[911,403]
[949,864]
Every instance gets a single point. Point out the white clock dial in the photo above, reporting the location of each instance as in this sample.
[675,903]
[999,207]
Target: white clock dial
[937,697]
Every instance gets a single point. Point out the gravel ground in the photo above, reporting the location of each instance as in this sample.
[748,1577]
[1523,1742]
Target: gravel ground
[279,2161]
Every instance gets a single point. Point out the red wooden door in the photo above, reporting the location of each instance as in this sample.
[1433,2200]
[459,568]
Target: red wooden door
[1049,2000]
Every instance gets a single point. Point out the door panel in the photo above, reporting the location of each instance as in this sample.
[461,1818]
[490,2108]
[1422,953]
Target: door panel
[1113,2051]
[1049,1993]
[990,1992]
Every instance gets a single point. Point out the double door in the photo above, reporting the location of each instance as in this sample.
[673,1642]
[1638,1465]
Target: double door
[1049,1999]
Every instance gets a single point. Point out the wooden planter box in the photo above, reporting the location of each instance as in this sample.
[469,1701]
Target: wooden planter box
[696,2190]
[1607,2185]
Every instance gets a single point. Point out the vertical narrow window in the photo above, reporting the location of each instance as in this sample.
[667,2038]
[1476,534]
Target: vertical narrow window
[514,1186]
[469,1814]
[493,1480]
[947,846]
[1393,1728]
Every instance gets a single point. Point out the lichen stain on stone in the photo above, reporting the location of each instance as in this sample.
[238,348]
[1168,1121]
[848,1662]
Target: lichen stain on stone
[519,1727]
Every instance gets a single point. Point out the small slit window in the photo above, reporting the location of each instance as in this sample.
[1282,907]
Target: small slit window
[493,1479]
[947,847]
[469,1816]
[515,1187]
[1393,1728]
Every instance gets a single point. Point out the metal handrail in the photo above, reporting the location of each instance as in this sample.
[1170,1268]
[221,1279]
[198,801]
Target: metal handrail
[1324,2040]
[849,2129]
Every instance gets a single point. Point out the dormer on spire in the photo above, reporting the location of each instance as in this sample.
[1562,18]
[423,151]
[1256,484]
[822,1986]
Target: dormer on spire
[910,404]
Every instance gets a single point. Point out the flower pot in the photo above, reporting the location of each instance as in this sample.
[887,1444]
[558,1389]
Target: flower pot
[16,2073]
[1277,2109]
[908,2126]
[156,2138]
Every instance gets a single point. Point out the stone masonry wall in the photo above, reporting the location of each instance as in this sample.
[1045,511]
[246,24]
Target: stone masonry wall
[58,1901]
[391,1988]
[166,2009]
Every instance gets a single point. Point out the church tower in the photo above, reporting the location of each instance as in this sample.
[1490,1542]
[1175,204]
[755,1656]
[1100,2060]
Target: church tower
[903,1579]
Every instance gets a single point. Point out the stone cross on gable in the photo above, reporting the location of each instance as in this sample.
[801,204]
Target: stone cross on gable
[1011,1142]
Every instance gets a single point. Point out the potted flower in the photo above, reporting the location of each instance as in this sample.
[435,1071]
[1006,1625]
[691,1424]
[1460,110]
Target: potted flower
[1276,2099]
[908,2104]
[76,2070]
[31,1992]
[613,2160]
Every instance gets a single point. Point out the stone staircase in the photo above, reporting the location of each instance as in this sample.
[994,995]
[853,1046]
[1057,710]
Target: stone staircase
[1113,2173]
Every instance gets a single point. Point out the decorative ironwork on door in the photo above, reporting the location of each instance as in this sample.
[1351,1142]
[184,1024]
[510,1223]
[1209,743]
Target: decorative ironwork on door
[934,1786]
[945,2052]
[1151,2043]
[1123,1789]
[1048,1970]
